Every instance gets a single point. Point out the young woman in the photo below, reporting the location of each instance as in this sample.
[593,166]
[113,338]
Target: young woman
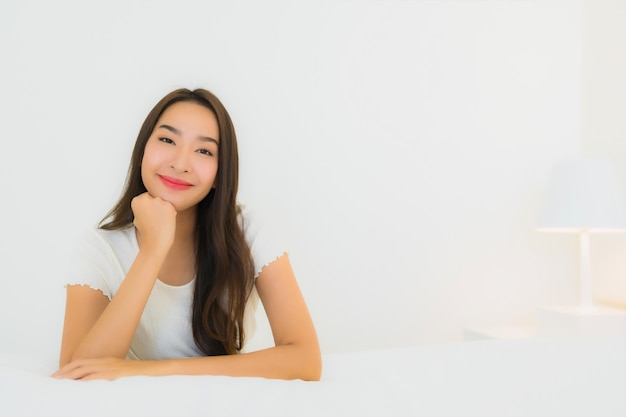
[168,282]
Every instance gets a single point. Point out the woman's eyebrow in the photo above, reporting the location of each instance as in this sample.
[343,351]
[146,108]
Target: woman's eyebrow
[171,129]
[178,132]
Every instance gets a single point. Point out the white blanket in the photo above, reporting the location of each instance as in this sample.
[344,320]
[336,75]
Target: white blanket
[487,378]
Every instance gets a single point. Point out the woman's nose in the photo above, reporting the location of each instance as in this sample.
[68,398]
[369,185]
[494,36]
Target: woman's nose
[180,161]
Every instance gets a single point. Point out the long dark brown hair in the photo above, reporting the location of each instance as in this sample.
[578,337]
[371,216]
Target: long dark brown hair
[224,268]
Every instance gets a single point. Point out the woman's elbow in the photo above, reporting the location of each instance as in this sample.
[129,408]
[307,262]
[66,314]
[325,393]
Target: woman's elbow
[315,373]
[312,366]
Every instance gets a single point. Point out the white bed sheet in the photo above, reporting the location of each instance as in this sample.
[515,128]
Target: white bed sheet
[485,378]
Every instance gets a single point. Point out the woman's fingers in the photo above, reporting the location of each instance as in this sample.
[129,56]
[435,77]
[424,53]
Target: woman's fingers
[155,219]
[85,369]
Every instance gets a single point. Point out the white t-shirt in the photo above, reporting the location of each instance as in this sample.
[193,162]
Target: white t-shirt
[103,259]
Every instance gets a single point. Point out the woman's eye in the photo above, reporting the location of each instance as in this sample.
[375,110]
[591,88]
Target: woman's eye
[205,152]
[166,140]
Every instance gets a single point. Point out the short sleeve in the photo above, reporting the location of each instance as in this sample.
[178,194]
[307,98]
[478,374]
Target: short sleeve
[92,263]
[266,245]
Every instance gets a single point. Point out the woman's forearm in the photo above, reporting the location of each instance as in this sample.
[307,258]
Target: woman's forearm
[280,362]
[113,332]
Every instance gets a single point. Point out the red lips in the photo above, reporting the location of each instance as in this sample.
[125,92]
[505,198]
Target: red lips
[174,183]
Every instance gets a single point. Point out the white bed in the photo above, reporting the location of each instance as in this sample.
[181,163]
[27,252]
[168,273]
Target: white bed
[481,378]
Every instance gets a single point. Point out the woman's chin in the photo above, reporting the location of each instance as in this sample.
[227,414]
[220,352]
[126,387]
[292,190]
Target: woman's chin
[183,208]
[180,204]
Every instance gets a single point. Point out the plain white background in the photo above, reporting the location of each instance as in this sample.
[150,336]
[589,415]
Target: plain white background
[401,148]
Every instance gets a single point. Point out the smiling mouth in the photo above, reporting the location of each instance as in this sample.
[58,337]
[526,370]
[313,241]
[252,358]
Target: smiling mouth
[174,183]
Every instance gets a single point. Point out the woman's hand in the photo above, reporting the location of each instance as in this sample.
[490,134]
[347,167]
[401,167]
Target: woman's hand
[155,219]
[105,368]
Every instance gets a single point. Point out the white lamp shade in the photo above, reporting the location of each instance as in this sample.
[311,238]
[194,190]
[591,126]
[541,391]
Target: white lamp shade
[583,195]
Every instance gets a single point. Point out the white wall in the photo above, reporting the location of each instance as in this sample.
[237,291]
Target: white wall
[604,128]
[403,145]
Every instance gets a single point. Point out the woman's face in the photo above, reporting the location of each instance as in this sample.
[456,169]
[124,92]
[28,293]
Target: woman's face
[180,159]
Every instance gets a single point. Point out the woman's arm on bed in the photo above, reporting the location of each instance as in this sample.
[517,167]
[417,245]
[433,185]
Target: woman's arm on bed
[95,327]
[295,356]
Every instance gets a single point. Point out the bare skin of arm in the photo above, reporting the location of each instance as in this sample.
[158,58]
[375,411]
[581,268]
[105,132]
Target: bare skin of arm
[295,356]
[95,327]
